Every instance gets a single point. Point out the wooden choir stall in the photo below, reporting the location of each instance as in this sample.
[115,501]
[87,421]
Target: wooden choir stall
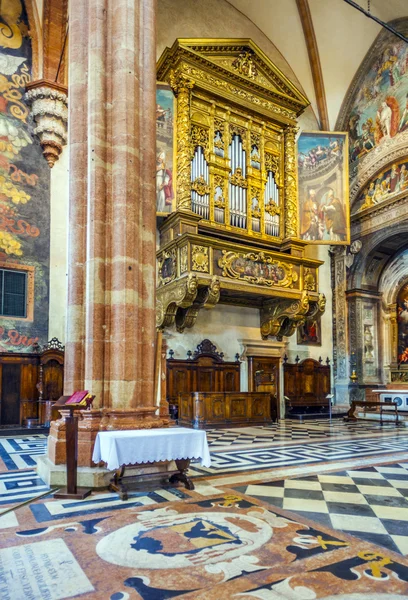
[206,391]
[30,384]
[307,387]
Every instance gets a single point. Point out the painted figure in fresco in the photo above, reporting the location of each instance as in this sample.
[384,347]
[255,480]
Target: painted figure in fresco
[335,218]
[403,126]
[387,119]
[402,302]
[164,184]
[403,181]
[310,222]
[394,179]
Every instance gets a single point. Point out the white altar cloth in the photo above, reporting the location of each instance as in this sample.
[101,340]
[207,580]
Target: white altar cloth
[130,447]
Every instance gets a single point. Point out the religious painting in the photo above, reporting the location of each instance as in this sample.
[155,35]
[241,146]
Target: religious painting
[402,317]
[384,186]
[379,110]
[164,148]
[24,186]
[310,333]
[323,188]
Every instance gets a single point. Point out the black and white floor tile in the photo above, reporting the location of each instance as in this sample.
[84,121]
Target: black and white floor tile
[370,503]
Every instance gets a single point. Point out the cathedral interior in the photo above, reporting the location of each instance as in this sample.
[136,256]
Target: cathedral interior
[204,299]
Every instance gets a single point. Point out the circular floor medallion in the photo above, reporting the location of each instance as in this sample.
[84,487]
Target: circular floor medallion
[179,541]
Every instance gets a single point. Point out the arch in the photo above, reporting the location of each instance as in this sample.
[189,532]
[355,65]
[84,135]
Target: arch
[380,246]
[393,277]
[36,38]
[388,182]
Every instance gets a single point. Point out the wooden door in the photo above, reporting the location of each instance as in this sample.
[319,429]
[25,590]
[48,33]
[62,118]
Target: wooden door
[10,394]
[269,382]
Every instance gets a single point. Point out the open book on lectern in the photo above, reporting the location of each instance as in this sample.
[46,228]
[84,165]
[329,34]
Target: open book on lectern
[80,399]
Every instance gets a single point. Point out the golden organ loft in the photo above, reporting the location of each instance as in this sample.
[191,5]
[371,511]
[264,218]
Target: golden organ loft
[233,236]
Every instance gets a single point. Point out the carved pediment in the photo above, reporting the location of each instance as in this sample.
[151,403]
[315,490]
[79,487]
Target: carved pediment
[233,59]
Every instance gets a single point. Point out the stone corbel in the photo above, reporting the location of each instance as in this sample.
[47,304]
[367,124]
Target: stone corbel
[207,297]
[316,309]
[178,294]
[49,109]
[280,317]
[179,301]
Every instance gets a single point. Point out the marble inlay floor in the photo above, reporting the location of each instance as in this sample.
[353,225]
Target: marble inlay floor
[250,529]
[370,503]
[22,452]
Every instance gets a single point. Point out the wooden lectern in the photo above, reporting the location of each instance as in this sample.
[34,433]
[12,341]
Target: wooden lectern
[77,401]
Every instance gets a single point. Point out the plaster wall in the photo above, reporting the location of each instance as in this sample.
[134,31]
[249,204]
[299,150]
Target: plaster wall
[226,326]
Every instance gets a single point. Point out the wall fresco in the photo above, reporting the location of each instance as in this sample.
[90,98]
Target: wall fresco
[379,111]
[164,148]
[24,182]
[390,182]
[402,317]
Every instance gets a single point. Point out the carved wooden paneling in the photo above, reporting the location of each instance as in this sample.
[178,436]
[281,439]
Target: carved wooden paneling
[226,409]
[306,384]
[206,371]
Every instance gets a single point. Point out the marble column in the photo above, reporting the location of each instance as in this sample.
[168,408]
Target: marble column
[112,222]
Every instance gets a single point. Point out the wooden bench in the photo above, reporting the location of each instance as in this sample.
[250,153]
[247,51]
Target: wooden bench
[373,408]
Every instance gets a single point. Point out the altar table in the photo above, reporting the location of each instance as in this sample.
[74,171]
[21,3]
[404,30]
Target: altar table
[140,446]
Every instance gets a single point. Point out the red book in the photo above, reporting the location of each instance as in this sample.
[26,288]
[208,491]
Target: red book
[77,397]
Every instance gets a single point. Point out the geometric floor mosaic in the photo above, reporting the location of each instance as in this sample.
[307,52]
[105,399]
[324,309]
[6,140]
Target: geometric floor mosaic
[17,487]
[22,452]
[287,431]
[227,462]
[370,503]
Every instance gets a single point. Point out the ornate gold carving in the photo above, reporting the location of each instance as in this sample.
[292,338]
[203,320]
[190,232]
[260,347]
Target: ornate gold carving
[199,137]
[257,269]
[219,201]
[309,281]
[200,258]
[245,65]
[200,186]
[207,297]
[281,317]
[272,208]
[238,179]
[272,164]
[238,130]
[183,259]
[177,294]
[291,208]
[182,86]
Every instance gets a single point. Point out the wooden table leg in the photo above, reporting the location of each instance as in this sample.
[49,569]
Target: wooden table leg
[117,485]
[181,476]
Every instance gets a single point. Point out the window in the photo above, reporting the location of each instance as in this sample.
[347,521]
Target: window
[13,293]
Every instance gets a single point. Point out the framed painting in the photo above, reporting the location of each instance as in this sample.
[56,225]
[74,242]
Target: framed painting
[310,333]
[324,211]
[165,184]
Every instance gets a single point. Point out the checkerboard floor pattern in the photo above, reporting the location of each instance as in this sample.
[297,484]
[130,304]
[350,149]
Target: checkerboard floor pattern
[370,503]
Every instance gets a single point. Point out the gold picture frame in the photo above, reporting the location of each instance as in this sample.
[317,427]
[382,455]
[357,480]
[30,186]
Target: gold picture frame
[323,184]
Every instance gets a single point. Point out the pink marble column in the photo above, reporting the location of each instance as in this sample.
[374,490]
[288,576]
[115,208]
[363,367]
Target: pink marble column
[111,278]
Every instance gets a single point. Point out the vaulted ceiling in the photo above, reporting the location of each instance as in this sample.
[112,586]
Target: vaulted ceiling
[322,41]
[343,37]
